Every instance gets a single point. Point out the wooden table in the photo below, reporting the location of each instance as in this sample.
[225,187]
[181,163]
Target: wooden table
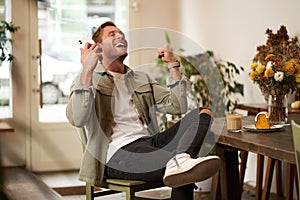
[254,108]
[277,145]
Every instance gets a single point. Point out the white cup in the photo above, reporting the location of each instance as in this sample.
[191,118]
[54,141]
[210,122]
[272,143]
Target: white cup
[234,122]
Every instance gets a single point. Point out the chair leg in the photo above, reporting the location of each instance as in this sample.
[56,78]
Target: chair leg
[89,191]
[129,194]
[296,182]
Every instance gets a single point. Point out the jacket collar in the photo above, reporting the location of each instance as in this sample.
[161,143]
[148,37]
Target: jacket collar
[101,70]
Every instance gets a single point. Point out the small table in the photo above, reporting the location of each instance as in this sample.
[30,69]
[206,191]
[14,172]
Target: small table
[277,145]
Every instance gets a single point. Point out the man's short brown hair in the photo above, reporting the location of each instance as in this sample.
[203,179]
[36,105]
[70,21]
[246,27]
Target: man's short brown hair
[98,33]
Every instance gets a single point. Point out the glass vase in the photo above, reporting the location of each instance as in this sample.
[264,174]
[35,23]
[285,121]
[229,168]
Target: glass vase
[278,109]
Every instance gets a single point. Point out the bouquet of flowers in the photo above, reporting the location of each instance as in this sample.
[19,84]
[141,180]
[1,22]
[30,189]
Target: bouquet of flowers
[277,77]
[276,68]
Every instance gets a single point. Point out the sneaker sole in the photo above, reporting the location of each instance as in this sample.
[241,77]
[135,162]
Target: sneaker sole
[198,173]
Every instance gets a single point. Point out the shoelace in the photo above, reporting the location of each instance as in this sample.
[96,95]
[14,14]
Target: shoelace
[174,158]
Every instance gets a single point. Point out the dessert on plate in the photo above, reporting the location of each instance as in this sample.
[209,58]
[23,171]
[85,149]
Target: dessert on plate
[262,120]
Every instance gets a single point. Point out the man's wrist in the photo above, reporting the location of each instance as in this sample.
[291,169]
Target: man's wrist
[174,64]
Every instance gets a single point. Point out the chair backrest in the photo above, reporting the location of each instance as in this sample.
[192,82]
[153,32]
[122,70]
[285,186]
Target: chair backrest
[83,136]
[296,139]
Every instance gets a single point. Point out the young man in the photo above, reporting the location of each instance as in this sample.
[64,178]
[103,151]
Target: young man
[117,107]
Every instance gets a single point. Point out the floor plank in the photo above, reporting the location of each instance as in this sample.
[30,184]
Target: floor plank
[18,183]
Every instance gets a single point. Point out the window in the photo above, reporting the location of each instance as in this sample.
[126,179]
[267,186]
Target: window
[5,78]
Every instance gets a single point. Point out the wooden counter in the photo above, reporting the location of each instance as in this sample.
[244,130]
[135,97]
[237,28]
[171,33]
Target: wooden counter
[5,127]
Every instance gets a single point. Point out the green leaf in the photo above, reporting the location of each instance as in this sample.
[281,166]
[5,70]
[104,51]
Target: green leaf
[167,37]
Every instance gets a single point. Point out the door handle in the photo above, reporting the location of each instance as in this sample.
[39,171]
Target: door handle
[41,77]
[36,90]
[40,88]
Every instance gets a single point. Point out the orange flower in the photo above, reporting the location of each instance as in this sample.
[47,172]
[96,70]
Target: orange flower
[289,67]
[261,69]
[297,68]
[253,75]
[269,56]
[293,61]
[269,72]
[297,77]
[253,66]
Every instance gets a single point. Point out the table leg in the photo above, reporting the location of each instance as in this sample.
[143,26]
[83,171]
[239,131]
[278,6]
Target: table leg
[243,166]
[289,181]
[229,173]
[279,190]
[259,176]
[268,178]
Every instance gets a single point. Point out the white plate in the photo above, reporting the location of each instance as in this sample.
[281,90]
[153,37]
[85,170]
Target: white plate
[252,128]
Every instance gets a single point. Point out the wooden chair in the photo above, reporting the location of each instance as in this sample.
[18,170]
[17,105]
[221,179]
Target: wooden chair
[296,139]
[117,185]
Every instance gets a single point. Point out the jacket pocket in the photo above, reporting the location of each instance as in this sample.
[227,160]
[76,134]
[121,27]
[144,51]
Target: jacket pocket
[103,102]
[144,89]
[145,96]
[104,90]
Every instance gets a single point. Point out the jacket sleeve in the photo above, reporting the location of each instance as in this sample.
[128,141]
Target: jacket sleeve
[172,100]
[80,103]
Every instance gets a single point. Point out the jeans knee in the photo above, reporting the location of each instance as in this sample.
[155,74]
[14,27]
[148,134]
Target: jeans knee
[206,110]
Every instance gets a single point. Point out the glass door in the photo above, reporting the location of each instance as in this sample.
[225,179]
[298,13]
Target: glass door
[62,24]
[55,145]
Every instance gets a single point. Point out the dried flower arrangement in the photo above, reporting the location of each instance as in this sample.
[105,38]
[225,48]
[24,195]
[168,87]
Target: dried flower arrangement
[276,68]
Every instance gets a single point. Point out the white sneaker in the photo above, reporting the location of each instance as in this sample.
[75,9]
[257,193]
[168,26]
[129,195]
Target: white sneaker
[182,169]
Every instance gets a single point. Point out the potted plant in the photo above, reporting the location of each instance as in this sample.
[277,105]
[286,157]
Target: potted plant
[5,56]
[211,81]
[5,41]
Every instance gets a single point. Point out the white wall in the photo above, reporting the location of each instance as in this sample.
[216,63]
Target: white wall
[234,28]
[156,14]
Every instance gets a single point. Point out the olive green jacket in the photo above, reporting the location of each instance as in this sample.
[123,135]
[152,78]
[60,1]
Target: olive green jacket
[91,108]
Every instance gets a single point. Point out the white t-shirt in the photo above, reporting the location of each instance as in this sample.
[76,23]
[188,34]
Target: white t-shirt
[128,127]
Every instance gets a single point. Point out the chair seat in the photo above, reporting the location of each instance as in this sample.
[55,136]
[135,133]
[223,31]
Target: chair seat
[131,186]
[125,182]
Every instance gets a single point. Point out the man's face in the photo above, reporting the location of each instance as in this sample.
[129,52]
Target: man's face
[114,44]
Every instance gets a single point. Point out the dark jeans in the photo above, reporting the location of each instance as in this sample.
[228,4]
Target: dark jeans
[146,158]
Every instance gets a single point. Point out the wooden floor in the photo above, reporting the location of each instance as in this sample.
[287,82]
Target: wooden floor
[19,184]
[23,185]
